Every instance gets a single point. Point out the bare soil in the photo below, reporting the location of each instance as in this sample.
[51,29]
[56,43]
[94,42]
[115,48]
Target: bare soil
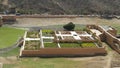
[30,22]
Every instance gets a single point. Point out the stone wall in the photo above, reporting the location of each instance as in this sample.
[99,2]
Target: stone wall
[46,52]
[109,36]
[9,18]
[1,21]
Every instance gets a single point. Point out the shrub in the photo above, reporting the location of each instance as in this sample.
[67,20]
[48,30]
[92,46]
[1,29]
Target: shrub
[69,26]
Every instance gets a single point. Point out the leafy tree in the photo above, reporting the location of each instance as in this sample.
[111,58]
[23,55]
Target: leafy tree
[69,26]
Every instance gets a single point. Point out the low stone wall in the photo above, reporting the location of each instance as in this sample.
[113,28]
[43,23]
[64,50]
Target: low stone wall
[1,21]
[47,52]
[47,16]
[112,41]
[108,36]
[9,18]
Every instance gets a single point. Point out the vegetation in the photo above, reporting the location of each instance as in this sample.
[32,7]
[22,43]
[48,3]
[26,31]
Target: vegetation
[47,32]
[9,36]
[70,45]
[67,7]
[43,63]
[47,40]
[117,27]
[32,45]
[88,45]
[76,45]
[32,34]
[69,26]
[15,52]
[50,45]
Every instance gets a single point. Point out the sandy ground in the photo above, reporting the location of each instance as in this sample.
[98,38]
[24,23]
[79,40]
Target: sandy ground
[30,22]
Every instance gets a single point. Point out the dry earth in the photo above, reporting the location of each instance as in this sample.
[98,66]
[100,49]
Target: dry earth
[25,22]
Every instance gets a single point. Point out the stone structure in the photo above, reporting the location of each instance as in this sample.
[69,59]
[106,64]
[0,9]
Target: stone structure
[34,46]
[108,35]
[1,21]
[9,18]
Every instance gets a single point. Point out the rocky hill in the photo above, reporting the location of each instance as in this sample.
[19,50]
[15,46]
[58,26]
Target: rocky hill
[67,6]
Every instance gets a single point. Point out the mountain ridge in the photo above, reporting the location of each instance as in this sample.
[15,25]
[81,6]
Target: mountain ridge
[67,6]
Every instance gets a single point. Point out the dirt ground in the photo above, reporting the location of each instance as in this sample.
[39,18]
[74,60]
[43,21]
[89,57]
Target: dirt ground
[30,22]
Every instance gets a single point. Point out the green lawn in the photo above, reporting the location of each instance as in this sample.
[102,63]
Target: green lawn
[37,62]
[76,45]
[50,45]
[8,36]
[117,27]
[88,45]
[44,63]
[14,52]
[69,45]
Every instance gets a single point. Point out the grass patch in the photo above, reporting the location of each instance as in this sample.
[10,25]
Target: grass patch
[60,27]
[69,45]
[79,27]
[50,45]
[117,27]
[84,45]
[8,36]
[48,40]
[47,32]
[44,63]
[14,52]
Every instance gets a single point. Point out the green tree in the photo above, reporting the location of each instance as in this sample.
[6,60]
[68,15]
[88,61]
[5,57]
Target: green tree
[69,26]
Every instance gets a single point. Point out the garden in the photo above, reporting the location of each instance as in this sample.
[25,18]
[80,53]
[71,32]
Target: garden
[33,34]
[64,40]
[32,45]
[50,45]
[47,32]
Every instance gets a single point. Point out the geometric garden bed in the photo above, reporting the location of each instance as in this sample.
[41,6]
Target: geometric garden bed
[60,43]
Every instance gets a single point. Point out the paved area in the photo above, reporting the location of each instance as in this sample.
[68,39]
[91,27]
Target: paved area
[96,31]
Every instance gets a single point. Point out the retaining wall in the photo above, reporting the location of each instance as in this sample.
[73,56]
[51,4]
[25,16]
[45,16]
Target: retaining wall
[47,16]
[1,21]
[109,36]
[9,18]
[65,52]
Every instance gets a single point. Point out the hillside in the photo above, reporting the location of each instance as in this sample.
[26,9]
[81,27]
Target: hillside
[67,6]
